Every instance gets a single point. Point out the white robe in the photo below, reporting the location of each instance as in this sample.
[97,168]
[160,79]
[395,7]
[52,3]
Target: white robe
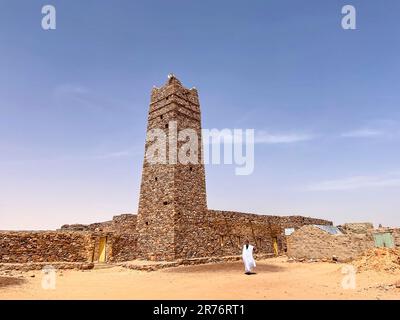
[248,259]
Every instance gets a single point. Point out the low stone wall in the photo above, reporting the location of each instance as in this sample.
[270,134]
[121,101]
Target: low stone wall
[41,265]
[214,234]
[123,223]
[44,246]
[360,228]
[29,247]
[310,242]
[226,232]
[223,233]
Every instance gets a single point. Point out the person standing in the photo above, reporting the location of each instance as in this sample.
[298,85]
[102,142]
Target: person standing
[247,255]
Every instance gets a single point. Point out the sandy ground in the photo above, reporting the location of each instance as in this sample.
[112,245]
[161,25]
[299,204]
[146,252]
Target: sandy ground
[275,279]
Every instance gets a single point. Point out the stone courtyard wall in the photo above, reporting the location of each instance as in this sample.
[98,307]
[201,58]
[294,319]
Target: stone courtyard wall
[231,229]
[120,233]
[360,228]
[223,233]
[65,246]
[310,242]
[44,246]
[217,234]
[123,223]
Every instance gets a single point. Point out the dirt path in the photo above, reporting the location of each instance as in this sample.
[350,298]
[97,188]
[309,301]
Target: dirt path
[275,279]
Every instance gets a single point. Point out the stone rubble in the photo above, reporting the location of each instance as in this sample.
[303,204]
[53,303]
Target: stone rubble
[379,259]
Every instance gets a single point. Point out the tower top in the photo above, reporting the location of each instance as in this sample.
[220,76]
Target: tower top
[172,79]
[173,88]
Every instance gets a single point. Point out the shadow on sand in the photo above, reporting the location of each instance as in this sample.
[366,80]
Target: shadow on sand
[9,281]
[225,267]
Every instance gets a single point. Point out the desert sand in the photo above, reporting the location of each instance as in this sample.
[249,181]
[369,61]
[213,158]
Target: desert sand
[275,279]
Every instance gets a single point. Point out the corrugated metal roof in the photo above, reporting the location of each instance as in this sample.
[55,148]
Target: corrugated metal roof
[330,229]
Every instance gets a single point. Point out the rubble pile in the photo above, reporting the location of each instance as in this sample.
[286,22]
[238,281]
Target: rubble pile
[379,259]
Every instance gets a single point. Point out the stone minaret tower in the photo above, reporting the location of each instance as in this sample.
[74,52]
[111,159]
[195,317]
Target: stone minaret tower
[172,204]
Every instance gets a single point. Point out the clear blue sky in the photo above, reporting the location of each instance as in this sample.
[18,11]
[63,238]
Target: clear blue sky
[324,103]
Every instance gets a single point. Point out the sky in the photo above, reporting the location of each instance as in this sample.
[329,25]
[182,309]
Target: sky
[324,103]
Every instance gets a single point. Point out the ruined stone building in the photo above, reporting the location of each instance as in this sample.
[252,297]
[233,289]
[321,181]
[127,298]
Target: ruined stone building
[173,220]
[350,242]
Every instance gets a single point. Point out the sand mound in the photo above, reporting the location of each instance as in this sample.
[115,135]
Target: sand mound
[379,259]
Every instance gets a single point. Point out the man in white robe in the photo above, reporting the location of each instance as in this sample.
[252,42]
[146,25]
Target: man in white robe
[247,255]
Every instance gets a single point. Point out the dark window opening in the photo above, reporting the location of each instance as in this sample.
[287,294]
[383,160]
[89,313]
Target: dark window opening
[147,223]
[156,179]
[161,117]
[165,203]
[191,168]
[166,126]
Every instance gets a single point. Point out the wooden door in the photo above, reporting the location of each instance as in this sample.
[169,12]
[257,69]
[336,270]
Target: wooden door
[276,251]
[102,249]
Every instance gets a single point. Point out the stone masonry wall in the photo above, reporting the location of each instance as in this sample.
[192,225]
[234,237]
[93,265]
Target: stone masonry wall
[172,201]
[359,228]
[218,233]
[121,223]
[123,247]
[46,246]
[310,242]
[231,229]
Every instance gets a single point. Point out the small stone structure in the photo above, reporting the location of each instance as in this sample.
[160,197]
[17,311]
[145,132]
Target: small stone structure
[311,243]
[173,221]
[360,228]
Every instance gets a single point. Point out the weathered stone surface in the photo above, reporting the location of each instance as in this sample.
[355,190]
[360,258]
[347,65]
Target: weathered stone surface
[86,266]
[123,246]
[379,260]
[124,223]
[46,246]
[40,265]
[310,242]
[361,228]
[172,202]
